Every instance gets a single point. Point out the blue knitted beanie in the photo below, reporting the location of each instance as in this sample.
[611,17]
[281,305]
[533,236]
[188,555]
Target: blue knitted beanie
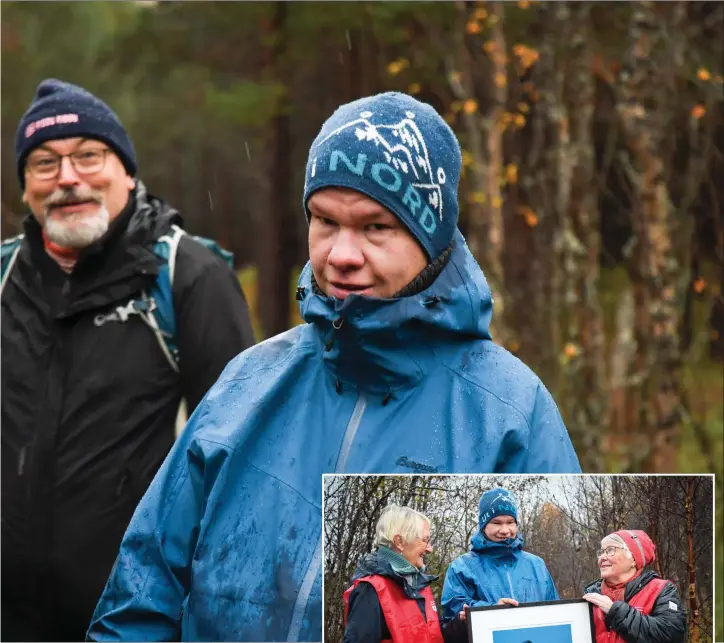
[399,152]
[63,110]
[496,502]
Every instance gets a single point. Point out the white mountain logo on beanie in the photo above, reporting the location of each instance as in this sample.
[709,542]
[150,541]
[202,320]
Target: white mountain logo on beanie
[404,148]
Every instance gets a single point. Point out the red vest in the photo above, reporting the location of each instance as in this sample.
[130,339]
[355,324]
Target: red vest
[402,614]
[643,601]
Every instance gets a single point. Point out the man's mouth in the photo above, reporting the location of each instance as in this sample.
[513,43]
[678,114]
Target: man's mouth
[71,206]
[342,289]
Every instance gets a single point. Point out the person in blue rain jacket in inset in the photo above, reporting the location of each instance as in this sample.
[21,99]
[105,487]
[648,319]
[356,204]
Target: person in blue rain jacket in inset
[394,372]
[497,571]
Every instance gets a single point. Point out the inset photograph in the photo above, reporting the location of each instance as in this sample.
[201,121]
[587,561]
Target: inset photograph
[518,559]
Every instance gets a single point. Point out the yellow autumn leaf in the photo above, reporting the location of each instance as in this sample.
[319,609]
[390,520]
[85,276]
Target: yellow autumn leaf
[511,173]
[470,106]
[414,88]
[519,120]
[477,197]
[703,74]
[480,14]
[699,285]
[472,27]
[467,158]
[523,107]
[393,68]
[698,111]
[489,46]
[496,201]
[396,66]
[500,80]
[523,4]
[493,20]
[506,117]
[570,350]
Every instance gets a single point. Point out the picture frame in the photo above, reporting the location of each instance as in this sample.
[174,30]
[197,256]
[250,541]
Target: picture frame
[564,621]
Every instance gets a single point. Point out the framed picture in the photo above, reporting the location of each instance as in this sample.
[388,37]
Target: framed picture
[566,621]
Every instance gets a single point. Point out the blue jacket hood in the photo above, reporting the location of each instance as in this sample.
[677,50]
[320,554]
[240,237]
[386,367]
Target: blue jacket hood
[391,337]
[508,547]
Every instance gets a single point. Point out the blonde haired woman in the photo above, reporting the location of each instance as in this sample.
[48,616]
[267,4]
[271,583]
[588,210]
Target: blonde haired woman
[390,597]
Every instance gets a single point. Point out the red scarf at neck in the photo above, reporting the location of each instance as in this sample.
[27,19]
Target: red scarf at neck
[64,257]
[617,591]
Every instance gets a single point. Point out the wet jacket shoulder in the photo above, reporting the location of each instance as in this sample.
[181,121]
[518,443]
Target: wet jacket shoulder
[665,624]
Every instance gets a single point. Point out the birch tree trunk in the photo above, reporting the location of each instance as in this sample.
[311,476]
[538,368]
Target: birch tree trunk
[691,562]
[578,210]
[641,106]
[485,143]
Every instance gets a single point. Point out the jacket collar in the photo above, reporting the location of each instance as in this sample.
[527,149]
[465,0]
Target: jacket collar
[633,587]
[375,565]
[506,548]
[385,345]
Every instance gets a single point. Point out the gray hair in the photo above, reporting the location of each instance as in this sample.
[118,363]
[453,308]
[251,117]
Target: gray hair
[402,521]
[621,543]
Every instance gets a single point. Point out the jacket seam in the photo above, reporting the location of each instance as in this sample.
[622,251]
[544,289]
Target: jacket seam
[260,470]
[487,390]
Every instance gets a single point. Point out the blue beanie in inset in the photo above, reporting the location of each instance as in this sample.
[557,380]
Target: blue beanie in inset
[399,152]
[496,502]
[64,110]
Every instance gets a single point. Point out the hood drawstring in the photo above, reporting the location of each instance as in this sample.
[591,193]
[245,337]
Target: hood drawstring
[336,324]
[301,292]
[431,301]
[386,399]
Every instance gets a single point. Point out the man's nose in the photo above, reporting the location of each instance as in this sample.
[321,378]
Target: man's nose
[346,253]
[67,176]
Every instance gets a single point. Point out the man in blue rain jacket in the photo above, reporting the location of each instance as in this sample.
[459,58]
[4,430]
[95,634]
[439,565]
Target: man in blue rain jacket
[497,571]
[394,372]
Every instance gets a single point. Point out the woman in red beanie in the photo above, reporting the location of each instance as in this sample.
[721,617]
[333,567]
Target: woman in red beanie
[632,605]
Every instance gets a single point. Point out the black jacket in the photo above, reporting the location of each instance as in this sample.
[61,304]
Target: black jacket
[365,621]
[665,624]
[88,412]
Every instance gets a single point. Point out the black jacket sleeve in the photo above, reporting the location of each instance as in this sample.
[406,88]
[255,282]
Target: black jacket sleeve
[665,624]
[212,318]
[365,621]
[454,631]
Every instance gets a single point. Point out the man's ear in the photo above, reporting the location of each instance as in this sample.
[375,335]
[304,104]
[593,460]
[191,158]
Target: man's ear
[25,197]
[130,182]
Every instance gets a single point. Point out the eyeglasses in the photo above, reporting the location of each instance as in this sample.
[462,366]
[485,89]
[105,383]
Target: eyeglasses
[46,166]
[609,551]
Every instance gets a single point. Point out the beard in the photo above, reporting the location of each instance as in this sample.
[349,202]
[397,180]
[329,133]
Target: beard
[76,229]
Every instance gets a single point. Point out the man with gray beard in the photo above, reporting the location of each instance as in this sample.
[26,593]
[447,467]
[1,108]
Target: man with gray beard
[89,395]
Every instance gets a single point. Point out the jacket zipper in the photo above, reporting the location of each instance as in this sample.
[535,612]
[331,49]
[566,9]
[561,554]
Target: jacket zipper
[350,432]
[300,605]
[510,585]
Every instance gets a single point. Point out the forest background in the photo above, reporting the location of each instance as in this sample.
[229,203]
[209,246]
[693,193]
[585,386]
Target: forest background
[592,191]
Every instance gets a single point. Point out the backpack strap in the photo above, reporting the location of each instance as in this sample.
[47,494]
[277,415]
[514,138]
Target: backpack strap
[9,250]
[161,317]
